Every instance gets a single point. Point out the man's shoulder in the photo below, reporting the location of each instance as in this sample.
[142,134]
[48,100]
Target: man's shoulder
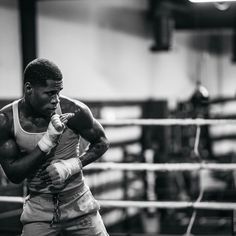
[6,118]
[83,116]
[6,112]
[7,107]
[72,105]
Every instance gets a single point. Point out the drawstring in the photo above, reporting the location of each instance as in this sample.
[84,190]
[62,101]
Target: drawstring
[57,212]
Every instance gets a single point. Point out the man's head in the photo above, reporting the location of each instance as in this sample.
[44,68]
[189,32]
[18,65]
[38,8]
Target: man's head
[42,85]
[40,70]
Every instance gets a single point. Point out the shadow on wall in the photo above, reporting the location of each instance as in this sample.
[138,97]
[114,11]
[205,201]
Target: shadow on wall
[216,43]
[117,17]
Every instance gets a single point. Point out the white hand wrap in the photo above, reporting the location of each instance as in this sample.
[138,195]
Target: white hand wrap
[50,138]
[67,168]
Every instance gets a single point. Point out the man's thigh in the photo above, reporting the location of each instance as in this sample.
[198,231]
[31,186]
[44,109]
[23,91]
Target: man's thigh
[90,224]
[40,229]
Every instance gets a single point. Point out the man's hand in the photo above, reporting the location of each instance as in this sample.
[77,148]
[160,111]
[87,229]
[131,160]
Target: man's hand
[55,129]
[60,170]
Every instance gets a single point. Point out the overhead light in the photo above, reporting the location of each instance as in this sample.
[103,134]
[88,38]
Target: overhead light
[222,6]
[203,1]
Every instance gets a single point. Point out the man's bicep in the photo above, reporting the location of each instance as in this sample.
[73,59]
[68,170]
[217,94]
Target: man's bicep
[98,143]
[94,133]
[82,119]
[9,152]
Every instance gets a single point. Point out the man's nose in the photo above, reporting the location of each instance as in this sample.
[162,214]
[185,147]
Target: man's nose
[55,99]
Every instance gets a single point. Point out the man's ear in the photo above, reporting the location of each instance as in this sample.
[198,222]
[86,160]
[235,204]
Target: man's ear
[28,88]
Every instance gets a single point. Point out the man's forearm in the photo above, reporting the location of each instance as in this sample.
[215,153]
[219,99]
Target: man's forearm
[24,166]
[94,152]
[59,171]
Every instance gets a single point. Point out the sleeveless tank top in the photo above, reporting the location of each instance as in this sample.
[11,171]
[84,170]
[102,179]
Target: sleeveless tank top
[66,148]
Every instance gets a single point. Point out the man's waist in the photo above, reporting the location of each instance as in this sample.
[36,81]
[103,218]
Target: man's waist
[62,195]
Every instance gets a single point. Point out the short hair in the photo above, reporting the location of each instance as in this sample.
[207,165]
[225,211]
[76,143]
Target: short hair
[38,71]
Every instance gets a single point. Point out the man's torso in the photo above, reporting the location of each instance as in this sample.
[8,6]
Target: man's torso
[27,131]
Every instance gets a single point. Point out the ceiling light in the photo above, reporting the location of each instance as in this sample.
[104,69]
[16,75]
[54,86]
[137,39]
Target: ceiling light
[203,1]
[222,6]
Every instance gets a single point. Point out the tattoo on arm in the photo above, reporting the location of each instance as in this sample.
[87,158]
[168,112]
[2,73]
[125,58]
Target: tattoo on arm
[86,126]
[94,151]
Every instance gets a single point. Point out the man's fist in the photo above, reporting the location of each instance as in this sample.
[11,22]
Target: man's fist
[57,123]
[54,130]
[60,170]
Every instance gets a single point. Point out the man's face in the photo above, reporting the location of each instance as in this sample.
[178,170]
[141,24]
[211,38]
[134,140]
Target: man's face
[45,98]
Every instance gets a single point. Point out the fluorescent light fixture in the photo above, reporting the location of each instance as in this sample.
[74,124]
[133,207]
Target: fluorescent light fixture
[203,1]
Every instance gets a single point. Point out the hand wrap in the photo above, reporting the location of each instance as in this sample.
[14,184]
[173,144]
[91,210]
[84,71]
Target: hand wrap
[50,138]
[61,170]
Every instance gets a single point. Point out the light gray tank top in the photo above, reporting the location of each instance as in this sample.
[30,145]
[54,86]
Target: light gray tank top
[26,141]
[67,148]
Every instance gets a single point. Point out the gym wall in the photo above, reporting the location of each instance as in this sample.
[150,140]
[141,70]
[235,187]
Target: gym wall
[103,47]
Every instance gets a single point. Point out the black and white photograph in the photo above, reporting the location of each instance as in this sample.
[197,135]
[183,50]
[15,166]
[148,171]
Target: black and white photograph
[118,118]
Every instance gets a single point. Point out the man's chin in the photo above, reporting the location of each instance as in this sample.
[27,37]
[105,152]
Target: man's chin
[48,113]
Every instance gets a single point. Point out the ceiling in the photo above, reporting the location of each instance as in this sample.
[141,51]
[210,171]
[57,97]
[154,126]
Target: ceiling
[189,15]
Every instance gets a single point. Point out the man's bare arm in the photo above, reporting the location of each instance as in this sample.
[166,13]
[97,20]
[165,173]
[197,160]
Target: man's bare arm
[98,143]
[89,128]
[18,166]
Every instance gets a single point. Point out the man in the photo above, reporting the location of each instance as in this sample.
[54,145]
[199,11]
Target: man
[39,136]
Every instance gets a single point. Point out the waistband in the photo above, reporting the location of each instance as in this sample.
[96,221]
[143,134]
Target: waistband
[63,195]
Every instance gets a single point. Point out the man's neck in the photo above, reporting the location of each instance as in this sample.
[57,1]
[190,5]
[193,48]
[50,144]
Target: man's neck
[28,111]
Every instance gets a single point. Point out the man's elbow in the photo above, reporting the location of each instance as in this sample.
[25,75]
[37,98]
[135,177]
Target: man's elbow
[102,146]
[15,179]
[106,144]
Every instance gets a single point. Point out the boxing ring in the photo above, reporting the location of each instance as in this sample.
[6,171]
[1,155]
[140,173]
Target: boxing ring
[162,167]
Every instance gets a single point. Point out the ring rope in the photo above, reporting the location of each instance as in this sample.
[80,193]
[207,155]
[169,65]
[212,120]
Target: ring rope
[169,204]
[167,122]
[12,199]
[145,204]
[200,196]
[160,167]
